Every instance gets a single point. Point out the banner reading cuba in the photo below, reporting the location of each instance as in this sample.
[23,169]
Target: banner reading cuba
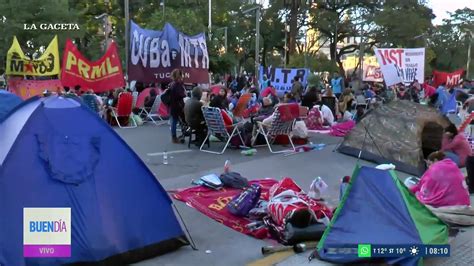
[102,75]
[46,65]
[154,54]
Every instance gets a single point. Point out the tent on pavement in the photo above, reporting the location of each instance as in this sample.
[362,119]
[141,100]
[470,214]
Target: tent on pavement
[54,152]
[378,209]
[400,132]
[8,101]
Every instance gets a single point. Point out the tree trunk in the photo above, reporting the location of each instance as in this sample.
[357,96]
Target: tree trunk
[293,28]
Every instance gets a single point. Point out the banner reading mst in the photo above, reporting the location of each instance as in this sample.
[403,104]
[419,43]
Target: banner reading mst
[401,64]
[154,54]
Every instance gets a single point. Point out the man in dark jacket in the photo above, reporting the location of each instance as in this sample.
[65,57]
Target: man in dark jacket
[194,116]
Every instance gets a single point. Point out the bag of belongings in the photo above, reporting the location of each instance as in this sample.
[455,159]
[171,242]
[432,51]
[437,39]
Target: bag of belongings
[241,204]
[290,205]
[234,180]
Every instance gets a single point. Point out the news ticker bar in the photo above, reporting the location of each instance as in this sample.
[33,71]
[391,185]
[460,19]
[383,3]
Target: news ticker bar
[380,251]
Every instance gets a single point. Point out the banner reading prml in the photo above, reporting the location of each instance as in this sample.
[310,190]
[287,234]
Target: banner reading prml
[401,64]
[154,54]
[102,75]
[46,65]
[281,78]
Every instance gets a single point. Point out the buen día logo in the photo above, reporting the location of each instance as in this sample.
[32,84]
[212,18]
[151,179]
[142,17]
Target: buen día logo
[47,232]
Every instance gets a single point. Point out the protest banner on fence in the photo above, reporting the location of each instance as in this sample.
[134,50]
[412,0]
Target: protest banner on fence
[154,54]
[281,78]
[401,64]
[46,65]
[102,75]
[450,79]
[26,88]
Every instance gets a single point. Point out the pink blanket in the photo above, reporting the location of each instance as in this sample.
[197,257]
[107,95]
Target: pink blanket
[342,129]
[441,185]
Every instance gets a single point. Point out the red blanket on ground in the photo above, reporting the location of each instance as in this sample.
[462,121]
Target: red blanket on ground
[213,203]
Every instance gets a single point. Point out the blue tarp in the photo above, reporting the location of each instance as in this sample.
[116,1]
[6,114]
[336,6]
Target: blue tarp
[65,156]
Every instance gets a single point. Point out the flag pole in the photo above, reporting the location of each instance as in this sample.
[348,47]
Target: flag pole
[127,37]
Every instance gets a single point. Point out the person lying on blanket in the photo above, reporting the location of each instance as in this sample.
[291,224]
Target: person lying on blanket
[443,184]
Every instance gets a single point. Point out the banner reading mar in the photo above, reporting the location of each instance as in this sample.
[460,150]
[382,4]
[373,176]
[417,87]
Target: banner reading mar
[401,64]
[102,75]
[154,54]
[46,65]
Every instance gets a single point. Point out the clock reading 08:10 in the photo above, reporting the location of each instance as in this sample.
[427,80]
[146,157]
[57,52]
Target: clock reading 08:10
[436,251]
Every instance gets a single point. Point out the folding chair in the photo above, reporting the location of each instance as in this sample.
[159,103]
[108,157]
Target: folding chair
[124,109]
[241,105]
[153,112]
[303,112]
[215,126]
[278,127]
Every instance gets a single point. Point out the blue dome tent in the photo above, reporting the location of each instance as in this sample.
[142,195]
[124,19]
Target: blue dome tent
[55,153]
[8,101]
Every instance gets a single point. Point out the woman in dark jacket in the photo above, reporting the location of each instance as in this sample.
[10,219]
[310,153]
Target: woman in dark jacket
[177,94]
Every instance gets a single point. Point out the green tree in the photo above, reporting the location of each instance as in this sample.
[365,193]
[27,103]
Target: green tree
[16,15]
[450,41]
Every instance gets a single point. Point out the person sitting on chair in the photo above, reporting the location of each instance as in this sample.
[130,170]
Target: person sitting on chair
[193,115]
[150,99]
[442,184]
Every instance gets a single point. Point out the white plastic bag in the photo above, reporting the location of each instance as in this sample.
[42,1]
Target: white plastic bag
[317,188]
[300,130]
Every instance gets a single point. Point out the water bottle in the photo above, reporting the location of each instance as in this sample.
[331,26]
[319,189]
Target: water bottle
[165,158]
[226,167]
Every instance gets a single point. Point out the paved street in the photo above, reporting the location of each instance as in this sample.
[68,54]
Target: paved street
[224,245]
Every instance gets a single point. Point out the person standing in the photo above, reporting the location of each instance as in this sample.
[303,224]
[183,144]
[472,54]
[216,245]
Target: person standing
[177,94]
[297,89]
[337,83]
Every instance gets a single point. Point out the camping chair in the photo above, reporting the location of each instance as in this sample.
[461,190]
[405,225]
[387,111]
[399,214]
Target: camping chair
[216,126]
[124,109]
[242,104]
[153,112]
[303,112]
[278,127]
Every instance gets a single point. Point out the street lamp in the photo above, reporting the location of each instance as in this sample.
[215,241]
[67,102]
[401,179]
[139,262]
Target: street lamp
[469,53]
[257,36]
[105,18]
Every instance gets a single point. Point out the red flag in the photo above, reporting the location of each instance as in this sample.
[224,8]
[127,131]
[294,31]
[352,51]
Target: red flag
[452,78]
[102,75]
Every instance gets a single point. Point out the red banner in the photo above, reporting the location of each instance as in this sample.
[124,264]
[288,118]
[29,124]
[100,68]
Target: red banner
[452,78]
[28,88]
[102,75]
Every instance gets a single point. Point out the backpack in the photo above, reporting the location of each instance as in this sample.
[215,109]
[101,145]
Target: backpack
[241,204]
